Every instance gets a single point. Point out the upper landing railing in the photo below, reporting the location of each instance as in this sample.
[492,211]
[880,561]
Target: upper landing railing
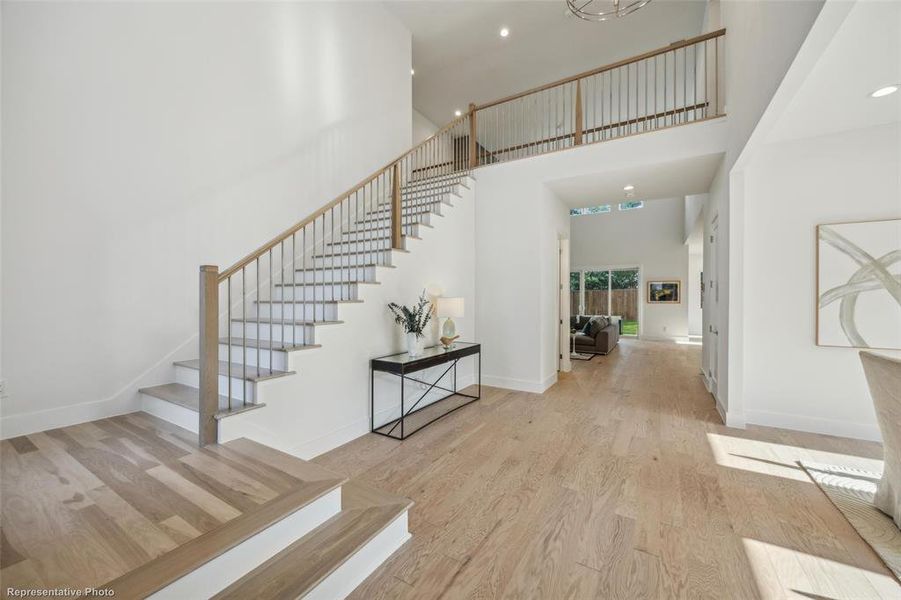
[670,86]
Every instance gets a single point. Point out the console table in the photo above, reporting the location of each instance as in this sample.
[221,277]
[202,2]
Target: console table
[403,365]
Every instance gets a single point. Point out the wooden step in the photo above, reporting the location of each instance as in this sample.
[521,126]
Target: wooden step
[238,370]
[381,238]
[277,346]
[286,322]
[299,568]
[313,482]
[189,397]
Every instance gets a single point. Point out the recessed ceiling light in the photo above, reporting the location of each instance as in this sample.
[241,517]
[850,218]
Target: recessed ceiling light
[629,188]
[504,32]
[412,71]
[457,113]
[884,91]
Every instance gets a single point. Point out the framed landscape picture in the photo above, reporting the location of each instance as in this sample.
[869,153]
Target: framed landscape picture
[859,284]
[665,292]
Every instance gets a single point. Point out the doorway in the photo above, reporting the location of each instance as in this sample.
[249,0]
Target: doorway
[609,291]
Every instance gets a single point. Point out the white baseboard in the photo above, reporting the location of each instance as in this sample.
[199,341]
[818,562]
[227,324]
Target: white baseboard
[520,385]
[23,424]
[860,431]
[233,427]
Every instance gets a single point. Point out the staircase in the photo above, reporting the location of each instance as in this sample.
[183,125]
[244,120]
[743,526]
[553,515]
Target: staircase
[324,537]
[272,315]
[258,345]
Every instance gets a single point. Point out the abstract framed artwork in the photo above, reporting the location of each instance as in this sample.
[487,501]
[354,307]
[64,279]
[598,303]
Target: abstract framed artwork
[859,284]
[665,292]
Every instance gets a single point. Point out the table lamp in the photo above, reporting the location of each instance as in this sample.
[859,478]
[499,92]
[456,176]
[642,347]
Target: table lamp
[449,308]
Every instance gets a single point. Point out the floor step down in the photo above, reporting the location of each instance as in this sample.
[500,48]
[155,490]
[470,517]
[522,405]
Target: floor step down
[312,566]
[190,570]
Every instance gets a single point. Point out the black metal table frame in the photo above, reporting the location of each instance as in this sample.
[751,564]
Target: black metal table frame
[404,378]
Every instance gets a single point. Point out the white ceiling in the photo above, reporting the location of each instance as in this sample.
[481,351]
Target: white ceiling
[664,180]
[460,58]
[864,55]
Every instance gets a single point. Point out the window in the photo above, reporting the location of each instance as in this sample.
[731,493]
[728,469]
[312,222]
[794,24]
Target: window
[607,292]
[631,205]
[589,210]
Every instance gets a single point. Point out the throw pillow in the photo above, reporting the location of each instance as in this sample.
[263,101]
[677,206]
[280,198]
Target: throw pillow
[595,326]
[586,329]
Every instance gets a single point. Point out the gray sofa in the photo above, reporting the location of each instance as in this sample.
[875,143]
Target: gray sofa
[600,338]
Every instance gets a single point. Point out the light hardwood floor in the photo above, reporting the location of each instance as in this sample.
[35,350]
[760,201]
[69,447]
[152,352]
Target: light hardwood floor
[83,505]
[619,482]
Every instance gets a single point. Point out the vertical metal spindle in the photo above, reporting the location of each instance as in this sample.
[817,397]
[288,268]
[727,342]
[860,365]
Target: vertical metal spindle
[271,319]
[257,272]
[294,303]
[228,332]
[303,278]
[243,334]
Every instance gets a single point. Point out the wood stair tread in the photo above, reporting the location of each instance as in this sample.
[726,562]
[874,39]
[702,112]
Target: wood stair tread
[264,344]
[296,570]
[314,482]
[250,373]
[189,397]
[308,302]
[267,321]
[380,238]
[326,268]
[311,284]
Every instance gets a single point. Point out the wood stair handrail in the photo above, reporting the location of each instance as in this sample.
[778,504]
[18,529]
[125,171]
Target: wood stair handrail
[627,61]
[225,274]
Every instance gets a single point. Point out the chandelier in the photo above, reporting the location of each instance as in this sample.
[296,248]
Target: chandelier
[601,10]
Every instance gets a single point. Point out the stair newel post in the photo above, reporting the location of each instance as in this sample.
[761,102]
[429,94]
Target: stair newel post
[473,156]
[208,428]
[396,214]
[578,115]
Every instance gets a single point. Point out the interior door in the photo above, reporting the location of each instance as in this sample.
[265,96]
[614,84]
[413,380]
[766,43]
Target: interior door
[564,299]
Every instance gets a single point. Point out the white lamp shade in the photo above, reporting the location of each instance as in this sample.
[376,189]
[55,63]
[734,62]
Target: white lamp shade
[450,307]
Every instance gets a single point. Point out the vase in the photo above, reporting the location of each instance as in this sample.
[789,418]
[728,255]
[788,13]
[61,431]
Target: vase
[414,344]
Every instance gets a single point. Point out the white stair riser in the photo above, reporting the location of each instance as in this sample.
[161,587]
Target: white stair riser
[293,334]
[343,580]
[336,275]
[299,311]
[217,574]
[378,257]
[411,229]
[173,413]
[241,389]
[419,215]
[369,244]
[278,359]
[338,291]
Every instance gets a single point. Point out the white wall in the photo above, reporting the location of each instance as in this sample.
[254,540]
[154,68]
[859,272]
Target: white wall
[144,139]
[326,403]
[791,187]
[422,127]
[649,238]
[762,39]
[554,226]
[517,223]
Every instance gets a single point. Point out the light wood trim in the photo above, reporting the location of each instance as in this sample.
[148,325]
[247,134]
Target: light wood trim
[208,428]
[578,134]
[473,146]
[396,209]
[628,61]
